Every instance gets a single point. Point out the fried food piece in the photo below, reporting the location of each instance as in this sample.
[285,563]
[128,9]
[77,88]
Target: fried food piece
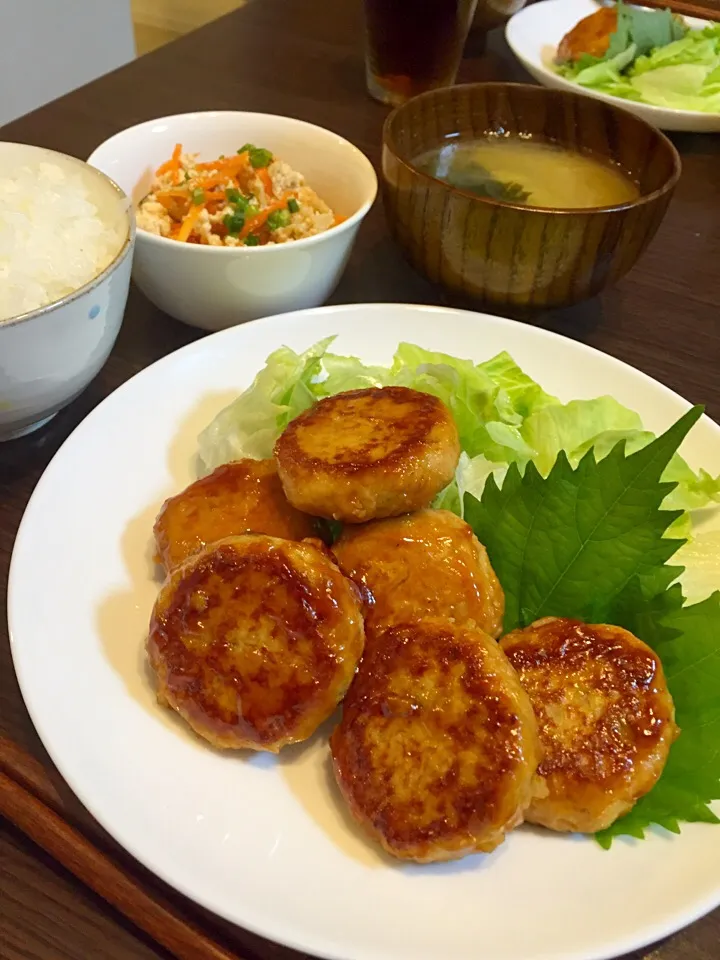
[428,563]
[590,36]
[367,454]
[245,496]
[438,746]
[254,641]
[606,719]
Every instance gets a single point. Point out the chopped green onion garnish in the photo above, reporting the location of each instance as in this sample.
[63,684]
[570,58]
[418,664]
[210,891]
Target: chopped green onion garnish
[233,195]
[234,223]
[198,196]
[252,241]
[293,205]
[277,219]
[260,158]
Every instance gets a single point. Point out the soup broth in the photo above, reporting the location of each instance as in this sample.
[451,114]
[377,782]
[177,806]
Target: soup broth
[528,171]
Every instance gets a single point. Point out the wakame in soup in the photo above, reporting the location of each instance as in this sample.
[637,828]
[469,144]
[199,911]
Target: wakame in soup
[527,171]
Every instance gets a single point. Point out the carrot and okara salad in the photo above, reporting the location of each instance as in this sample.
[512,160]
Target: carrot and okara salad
[248,199]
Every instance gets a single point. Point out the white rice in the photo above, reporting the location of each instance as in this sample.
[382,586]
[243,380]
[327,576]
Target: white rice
[52,239]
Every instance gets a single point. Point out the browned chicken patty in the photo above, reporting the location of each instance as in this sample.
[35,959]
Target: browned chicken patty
[437,750]
[590,36]
[606,719]
[255,640]
[244,496]
[367,454]
[428,563]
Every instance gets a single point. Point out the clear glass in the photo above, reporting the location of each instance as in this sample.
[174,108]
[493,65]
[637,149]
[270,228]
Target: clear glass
[414,45]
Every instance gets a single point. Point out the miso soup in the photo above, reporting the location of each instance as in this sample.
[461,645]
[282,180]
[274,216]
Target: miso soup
[527,171]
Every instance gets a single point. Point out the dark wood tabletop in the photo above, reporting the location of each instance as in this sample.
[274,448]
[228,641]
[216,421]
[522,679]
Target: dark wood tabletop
[304,58]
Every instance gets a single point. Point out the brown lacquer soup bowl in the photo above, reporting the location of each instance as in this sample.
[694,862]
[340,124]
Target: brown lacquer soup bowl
[510,254]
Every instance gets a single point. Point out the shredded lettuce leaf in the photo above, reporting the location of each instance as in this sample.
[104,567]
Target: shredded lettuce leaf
[250,425]
[701,560]
[654,58]
[503,417]
[603,72]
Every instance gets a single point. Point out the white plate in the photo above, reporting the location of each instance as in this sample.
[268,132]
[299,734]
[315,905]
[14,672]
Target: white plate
[533,35]
[264,842]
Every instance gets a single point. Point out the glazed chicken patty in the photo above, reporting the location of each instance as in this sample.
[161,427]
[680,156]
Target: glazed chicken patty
[590,36]
[428,563]
[254,641]
[367,454]
[605,715]
[437,750]
[244,496]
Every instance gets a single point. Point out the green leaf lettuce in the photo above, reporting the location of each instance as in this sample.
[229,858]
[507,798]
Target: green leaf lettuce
[654,58]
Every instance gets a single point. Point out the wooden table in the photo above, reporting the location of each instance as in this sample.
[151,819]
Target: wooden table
[304,58]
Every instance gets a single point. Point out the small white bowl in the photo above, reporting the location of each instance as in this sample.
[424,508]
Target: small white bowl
[533,35]
[49,356]
[218,287]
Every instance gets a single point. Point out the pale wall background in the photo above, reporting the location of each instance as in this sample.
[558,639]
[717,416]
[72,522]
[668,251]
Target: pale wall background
[49,47]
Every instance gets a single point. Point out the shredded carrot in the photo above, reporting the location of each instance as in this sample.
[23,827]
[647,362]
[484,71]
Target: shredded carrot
[205,182]
[172,193]
[188,223]
[338,220]
[266,181]
[175,204]
[172,206]
[171,165]
[215,202]
[228,164]
[206,186]
[254,223]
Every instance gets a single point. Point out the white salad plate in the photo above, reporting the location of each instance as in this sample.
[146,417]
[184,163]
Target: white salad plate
[533,35]
[263,841]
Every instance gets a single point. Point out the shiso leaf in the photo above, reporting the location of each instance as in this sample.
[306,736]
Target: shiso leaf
[687,640]
[567,545]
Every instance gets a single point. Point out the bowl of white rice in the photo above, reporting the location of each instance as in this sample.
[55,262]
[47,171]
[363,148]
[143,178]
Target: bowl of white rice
[316,173]
[66,242]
